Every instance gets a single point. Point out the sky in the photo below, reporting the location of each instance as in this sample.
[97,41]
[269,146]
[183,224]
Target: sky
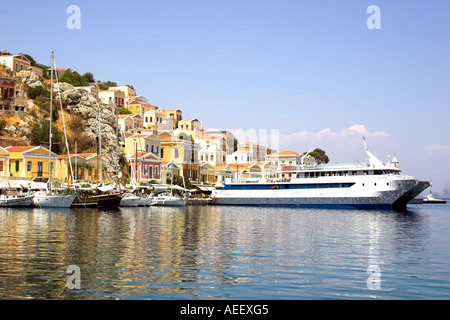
[295,74]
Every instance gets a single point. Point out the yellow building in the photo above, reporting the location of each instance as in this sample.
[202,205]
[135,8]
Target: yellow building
[84,167]
[176,115]
[143,143]
[31,162]
[182,154]
[191,127]
[4,163]
[140,107]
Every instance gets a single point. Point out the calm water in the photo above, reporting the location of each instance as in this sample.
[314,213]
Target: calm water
[208,252]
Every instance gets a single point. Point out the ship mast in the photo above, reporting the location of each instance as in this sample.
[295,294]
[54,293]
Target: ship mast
[50,125]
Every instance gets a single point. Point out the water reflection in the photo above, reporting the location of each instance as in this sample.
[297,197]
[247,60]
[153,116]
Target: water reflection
[201,251]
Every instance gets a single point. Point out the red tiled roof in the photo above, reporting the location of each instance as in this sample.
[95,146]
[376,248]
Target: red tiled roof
[286,153]
[20,148]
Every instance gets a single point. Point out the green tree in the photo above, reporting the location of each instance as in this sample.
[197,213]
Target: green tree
[319,155]
[35,92]
[106,85]
[124,111]
[89,77]
[74,78]
[39,135]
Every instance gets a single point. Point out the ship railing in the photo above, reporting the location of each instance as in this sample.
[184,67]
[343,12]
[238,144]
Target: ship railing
[340,166]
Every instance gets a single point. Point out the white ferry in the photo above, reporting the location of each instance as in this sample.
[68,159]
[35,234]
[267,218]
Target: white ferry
[374,185]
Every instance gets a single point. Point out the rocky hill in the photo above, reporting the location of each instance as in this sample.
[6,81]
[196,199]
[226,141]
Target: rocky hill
[79,119]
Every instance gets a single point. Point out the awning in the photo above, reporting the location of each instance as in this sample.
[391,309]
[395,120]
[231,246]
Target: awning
[206,188]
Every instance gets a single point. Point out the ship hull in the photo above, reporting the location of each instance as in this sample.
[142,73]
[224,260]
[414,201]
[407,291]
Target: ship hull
[370,193]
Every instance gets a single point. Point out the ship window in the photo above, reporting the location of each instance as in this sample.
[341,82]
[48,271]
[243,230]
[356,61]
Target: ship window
[375,184]
[387,183]
[363,184]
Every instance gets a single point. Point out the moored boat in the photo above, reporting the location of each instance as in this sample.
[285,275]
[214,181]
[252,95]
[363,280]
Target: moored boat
[95,199]
[45,199]
[375,185]
[129,200]
[167,200]
[15,200]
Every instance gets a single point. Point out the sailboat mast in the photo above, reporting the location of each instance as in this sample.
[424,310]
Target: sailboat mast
[98,166]
[50,125]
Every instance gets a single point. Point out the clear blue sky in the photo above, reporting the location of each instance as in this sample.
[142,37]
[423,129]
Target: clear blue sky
[310,69]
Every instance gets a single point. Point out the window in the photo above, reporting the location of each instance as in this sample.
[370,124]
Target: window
[17,166]
[152,149]
[146,148]
[29,166]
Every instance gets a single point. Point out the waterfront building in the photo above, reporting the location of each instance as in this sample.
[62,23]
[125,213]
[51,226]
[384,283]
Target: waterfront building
[206,173]
[31,162]
[4,163]
[249,170]
[183,153]
[84,167]
[222,172]
[268,169]
[145,166]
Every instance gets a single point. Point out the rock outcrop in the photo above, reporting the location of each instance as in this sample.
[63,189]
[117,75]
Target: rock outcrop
[80,102]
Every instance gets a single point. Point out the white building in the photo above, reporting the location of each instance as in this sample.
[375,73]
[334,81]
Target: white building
[15,62]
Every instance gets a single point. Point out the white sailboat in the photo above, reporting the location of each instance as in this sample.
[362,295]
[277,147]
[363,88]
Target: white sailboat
[46,198]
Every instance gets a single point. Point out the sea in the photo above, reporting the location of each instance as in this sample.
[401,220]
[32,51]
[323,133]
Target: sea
[225,252]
